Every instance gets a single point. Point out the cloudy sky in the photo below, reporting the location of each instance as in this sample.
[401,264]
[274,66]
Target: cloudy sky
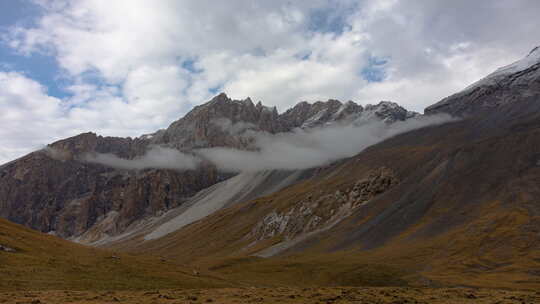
[130,67]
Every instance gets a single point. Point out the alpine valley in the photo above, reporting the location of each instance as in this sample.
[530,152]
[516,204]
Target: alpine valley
[371,195]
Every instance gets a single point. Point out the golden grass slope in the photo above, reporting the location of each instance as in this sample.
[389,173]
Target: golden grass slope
[47,262]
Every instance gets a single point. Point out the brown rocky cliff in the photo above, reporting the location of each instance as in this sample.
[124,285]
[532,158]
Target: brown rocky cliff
[69,196]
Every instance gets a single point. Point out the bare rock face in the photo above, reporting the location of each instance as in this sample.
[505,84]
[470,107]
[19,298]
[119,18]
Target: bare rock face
[68,149]
[376,183]
[56,190]
[219,123]
[68,197]
[224,122]
[316,213]
[388,112]
[319,114]
[306,115]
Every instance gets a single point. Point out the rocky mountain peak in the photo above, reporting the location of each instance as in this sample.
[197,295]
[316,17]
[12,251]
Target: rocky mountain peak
[305,115]
[221,97]
[248,101]
[223,121]
[58,191]
[259,105]
[223,106]
[90,142]
[219,122]
[308,115]
[387,111]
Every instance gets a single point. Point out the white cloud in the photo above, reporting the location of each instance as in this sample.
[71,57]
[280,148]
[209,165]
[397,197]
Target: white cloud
[156,157]
[26,111]
[300,149]
[331,71]
[307,149]
[436,48]
[125,59]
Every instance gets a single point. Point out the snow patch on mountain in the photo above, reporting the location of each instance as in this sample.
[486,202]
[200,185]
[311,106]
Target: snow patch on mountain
[515,82]
[529,61]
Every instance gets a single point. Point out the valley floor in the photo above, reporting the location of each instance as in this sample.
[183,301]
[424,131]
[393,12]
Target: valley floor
[280,295]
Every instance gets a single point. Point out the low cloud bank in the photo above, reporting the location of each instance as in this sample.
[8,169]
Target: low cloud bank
[300,149]
[156,157]
[307,149]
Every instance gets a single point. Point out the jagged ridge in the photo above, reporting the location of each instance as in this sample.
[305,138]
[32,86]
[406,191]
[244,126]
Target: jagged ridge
[56,191]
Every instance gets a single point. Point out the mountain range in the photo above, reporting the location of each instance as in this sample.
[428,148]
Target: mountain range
[66,190]
[449,197]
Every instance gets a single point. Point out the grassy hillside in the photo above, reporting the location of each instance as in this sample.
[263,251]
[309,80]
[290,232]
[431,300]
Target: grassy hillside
[47,262]
[465,212]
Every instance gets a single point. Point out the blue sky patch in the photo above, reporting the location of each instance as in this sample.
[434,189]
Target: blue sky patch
[41,68]
[333,20]
[304,55]
[189,65]
[17,12]
[215,89]
[37,66]
[375,70]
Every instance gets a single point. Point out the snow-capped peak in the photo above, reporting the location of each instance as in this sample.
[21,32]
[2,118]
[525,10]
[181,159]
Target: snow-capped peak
[383,104]
[532,59]
[507,84]
[387,111]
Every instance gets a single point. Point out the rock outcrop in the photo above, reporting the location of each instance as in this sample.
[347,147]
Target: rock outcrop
[319,212]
